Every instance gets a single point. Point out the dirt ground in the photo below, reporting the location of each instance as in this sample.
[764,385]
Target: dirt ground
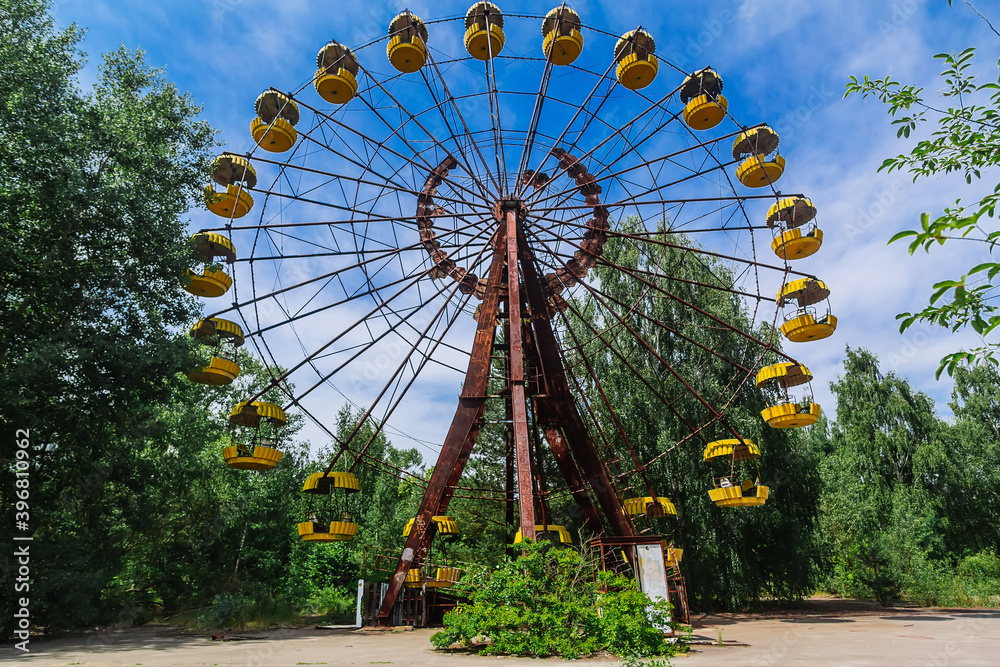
[822,632]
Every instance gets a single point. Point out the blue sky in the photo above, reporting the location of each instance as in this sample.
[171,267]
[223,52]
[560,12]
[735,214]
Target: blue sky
[784,62]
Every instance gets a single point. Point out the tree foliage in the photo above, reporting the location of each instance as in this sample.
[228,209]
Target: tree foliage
[907,505]
[965,141]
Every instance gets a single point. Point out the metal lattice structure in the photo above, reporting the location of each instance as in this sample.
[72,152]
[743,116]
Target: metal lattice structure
[464,185]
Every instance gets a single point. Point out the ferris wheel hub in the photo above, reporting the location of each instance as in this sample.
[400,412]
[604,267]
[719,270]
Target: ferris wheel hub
[501,207]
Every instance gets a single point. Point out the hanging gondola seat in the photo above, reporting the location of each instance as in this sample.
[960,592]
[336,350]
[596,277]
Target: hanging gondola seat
[237,175]
[484,37]
[733,496]
[336,76]
[804,326]
[234,203]
[344,530]
[219,371]
[211,282]
[414,578]
[445,577]
[562,41]
[758,171]
[704,113]
[549,532]
[791,415]
[793,244]
[637,66]
[407,39]
[338,531]
[704,105]
[262,457]
[274,127]
[650,507]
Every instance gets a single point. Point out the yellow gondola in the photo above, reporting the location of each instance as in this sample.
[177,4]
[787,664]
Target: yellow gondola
[749,494]
[793,239]
[341,529]
[407,48]
[414,578]
[251,415]
[793,244]
[484,37]
[758,169]
[704,104]
[636,64]
[729,491]
[262,457]
[221,369]
[238,176]
[336,75]
[550,532]
[650,507]
[801,323]
[784,411]
[562,41]
[212,281]
[274,127]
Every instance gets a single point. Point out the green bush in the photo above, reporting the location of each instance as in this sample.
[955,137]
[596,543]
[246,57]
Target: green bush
[546,602]
[253,607]
[980,578]
[336,604]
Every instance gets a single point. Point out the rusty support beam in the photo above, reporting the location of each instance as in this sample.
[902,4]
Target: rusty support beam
[522,446]
[460,439]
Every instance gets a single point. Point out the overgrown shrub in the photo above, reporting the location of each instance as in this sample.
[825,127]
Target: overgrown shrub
[546,602]
[335,604]
[248,608]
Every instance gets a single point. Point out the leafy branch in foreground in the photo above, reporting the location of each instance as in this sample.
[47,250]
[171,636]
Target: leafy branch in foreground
[966,141]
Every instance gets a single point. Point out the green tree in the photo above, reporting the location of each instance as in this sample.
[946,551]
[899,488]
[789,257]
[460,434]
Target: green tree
[92,244]
[974,507]
[907,505]
[965,141]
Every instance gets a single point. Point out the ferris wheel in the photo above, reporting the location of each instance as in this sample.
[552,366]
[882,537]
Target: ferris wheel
[465,203]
